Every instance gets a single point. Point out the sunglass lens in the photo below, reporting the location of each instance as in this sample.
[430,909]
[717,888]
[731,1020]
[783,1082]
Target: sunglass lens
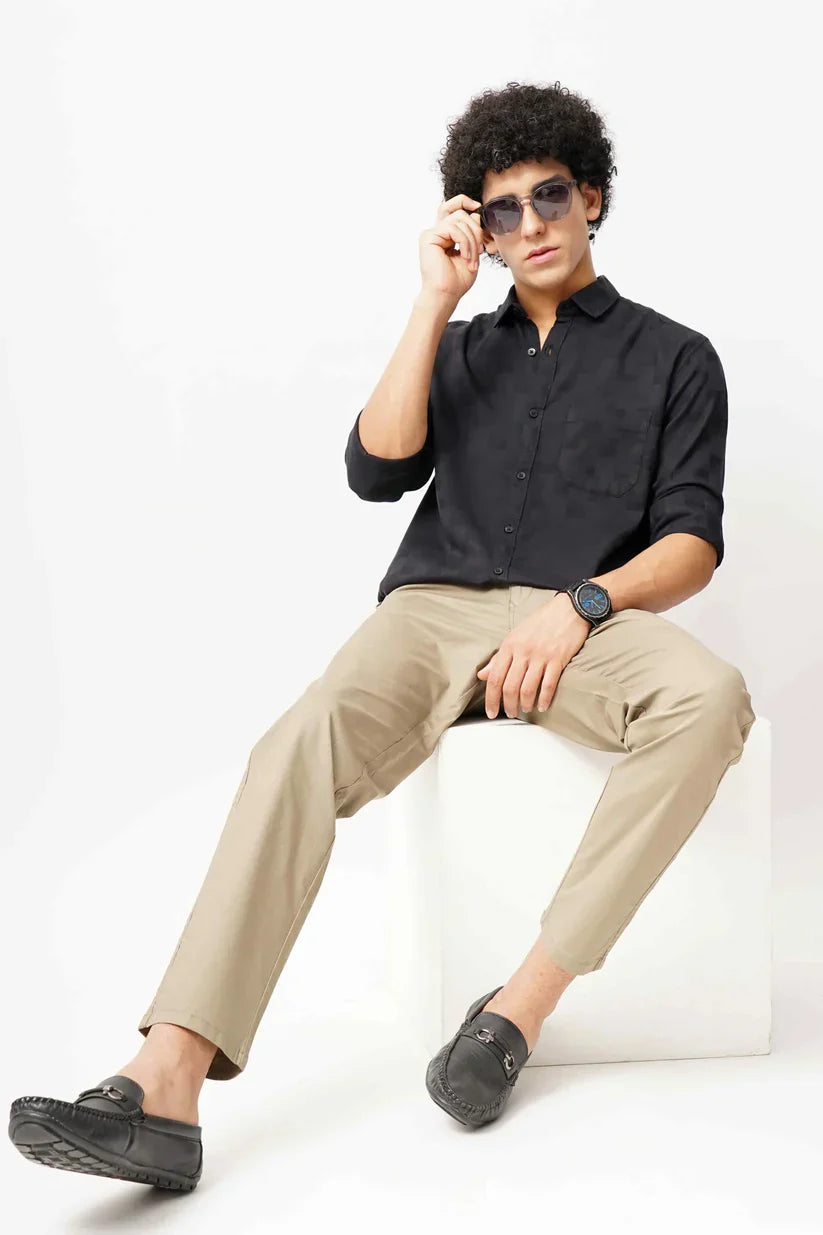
[552,201]
[502,216]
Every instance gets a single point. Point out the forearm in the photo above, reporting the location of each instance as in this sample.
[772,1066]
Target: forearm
[662,576]
[394,422]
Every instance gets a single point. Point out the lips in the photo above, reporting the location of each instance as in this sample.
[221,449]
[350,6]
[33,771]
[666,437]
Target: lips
[543,249]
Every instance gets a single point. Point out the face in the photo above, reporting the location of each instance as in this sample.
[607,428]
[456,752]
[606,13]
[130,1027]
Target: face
[569,235]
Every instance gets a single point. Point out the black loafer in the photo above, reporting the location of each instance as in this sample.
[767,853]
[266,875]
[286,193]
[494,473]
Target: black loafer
[106,1132]
[472,1077]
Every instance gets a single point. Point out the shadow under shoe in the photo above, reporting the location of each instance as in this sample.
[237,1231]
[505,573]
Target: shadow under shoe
[473,1075]
[105,1131]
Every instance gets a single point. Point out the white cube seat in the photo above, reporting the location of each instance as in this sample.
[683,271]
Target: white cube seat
[480,836]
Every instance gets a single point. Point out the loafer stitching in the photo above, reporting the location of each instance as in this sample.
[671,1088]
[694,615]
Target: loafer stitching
[57,1107]
[57,1104]
[471,1106]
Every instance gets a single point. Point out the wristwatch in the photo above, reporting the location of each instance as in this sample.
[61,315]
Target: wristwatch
[591,600]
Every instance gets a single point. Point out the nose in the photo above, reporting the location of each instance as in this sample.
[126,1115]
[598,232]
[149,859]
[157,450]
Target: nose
[530,217]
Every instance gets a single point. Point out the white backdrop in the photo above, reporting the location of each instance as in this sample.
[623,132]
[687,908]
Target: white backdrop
[192,315]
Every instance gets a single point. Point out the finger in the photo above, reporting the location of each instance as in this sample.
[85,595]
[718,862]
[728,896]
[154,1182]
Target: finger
[494,682]
[466,239]
[550,680]
[511,686]
[454,232]
[459,202]
[531,683]
[469,226]
[479,231]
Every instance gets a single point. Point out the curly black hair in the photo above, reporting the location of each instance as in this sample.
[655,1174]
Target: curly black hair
[522,123]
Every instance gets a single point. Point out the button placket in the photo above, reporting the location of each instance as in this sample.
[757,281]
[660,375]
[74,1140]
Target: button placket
[534,412]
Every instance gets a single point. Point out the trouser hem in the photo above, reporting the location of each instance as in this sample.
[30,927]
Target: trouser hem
[568,961]
[228,1062]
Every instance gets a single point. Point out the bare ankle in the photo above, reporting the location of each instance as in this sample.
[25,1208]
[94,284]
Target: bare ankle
[535,988]
[174,1050]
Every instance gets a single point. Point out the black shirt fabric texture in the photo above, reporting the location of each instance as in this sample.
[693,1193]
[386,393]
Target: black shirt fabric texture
[549,465]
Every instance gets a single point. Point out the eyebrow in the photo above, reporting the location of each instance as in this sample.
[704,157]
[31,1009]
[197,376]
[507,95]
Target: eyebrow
[544,180]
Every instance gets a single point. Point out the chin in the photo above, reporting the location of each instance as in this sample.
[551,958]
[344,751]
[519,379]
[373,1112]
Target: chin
[539,271]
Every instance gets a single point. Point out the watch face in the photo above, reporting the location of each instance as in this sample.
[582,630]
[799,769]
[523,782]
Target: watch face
[593,600]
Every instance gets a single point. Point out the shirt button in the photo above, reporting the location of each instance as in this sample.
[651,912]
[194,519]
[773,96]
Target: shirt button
[498,570]
[521,475]
[534,411]
[532,351]
[508,528]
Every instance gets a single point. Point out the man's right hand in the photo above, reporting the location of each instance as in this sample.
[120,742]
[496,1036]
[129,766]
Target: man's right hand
[444,270]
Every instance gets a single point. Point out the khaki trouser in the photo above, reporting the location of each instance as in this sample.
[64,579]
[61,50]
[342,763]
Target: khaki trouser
[640,685]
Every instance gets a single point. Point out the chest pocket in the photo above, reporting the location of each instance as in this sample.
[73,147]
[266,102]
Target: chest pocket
[603,452]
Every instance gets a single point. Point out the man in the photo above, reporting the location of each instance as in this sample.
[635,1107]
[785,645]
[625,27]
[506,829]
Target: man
[574,445]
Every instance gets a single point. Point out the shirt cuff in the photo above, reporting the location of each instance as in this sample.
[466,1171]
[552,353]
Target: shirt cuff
[379,479]
[713,536]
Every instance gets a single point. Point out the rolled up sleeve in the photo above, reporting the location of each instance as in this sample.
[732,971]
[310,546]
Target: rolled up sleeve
[375,479]
[687,489]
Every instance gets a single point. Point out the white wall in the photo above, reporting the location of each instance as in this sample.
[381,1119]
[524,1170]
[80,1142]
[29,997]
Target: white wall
[181,365]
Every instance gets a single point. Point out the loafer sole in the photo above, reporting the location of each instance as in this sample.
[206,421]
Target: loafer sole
[41,1137]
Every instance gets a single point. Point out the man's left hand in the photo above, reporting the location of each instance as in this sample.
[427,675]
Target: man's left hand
[532,656]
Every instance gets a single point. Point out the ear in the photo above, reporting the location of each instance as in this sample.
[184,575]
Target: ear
[593,196]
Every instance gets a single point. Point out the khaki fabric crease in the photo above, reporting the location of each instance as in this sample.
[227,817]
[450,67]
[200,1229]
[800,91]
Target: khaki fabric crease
[640,685]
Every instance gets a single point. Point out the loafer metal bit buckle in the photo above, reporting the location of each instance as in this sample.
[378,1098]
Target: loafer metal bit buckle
[487,1035]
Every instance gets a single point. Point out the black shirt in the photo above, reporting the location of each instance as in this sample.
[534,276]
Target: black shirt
[558,463]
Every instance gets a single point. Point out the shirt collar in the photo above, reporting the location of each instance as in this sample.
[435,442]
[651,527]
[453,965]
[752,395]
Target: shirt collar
[595,298]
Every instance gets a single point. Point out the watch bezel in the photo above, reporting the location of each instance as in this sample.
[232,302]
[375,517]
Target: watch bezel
[574,590]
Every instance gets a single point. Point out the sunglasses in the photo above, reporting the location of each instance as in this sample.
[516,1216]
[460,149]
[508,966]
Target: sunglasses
[551,200]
